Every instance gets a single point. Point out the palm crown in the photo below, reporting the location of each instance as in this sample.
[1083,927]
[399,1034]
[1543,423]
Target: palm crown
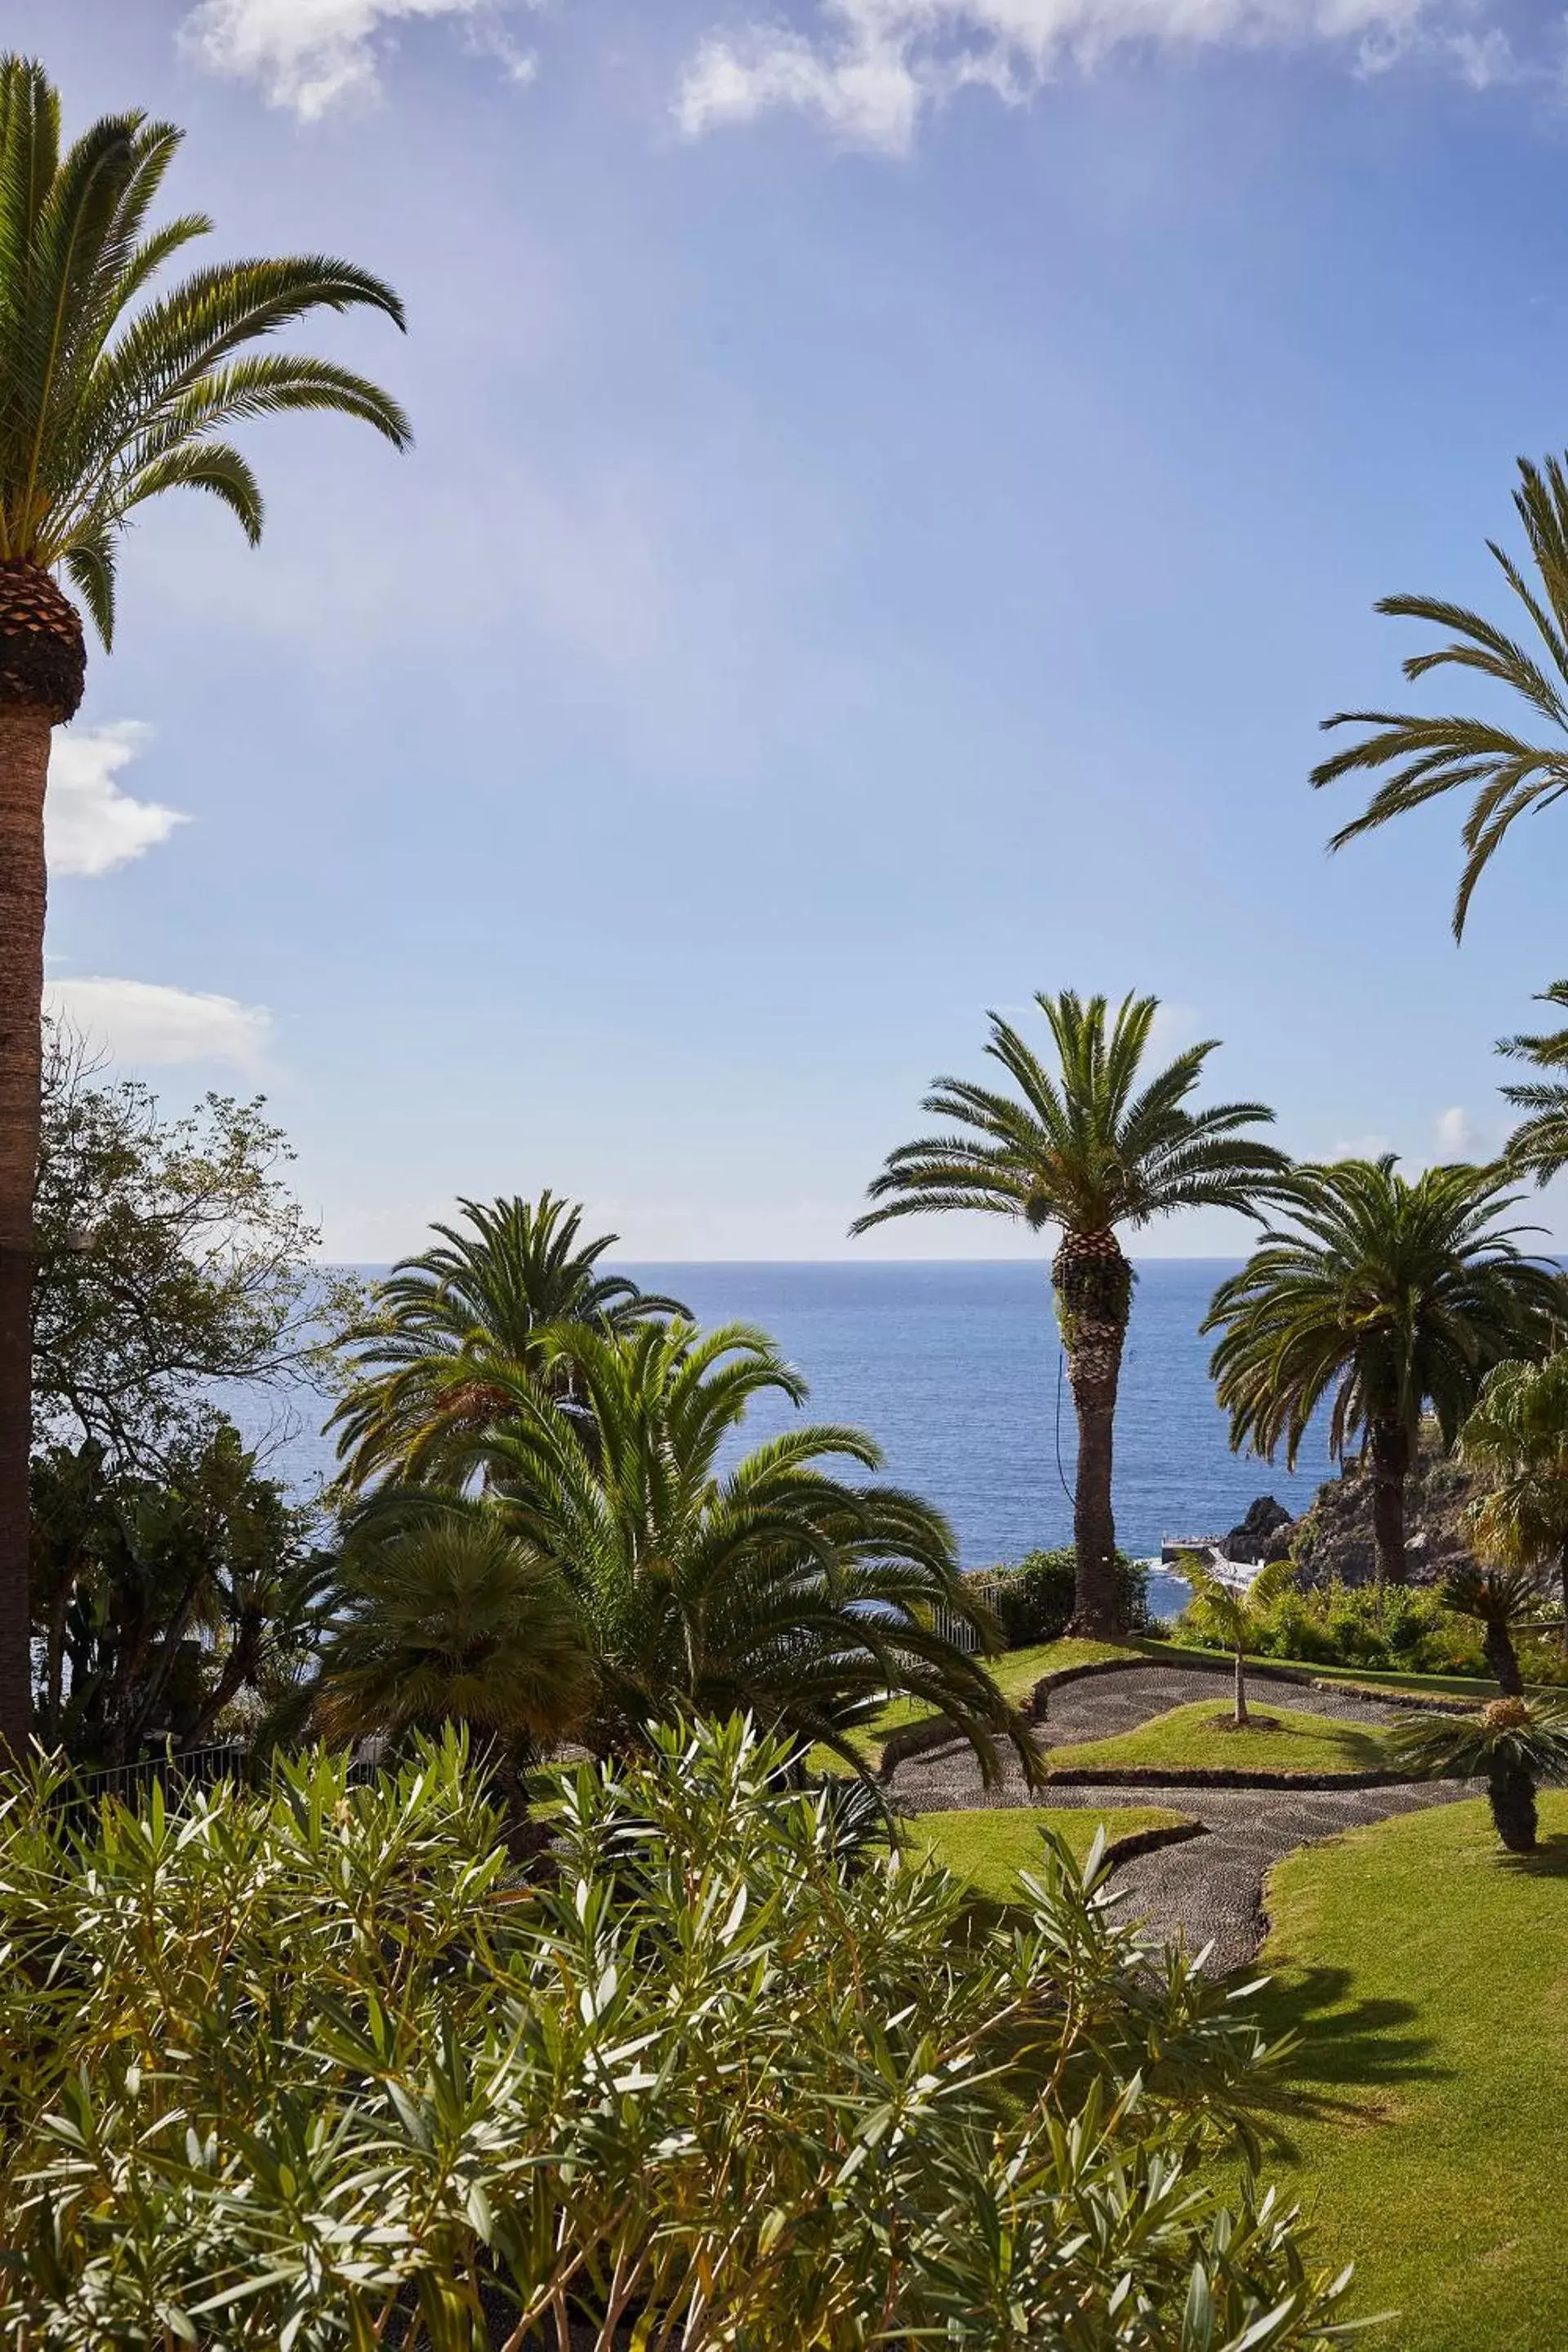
[111,395]
[450,1327]
[1539,1145]
[770,1584]
[1507,772]
[1088,1147]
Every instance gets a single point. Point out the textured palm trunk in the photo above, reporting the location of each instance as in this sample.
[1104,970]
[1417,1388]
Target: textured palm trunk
[1563,1580]
[1241,1715]
[1513,1795]
[1390,1451]
[43,669]
[1497,1646]
[24,769]
[1093,1284]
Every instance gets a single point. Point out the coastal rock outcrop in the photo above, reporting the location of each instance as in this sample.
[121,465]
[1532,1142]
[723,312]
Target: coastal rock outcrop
[1263,1535]
[1333,1539]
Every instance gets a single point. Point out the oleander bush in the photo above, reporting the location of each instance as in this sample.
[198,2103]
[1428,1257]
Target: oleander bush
[1035,1600]
[311,2067]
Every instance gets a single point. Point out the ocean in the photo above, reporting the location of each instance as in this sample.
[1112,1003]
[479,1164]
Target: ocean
[955,1368]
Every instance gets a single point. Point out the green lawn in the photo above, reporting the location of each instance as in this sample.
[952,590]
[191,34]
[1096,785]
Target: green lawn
[990,1848]
[1374,1678]
[1427,1975]
[1201,1737]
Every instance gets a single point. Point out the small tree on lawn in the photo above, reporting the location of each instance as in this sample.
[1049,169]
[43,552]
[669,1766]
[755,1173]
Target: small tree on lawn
[1232,1616]
[1513,1744]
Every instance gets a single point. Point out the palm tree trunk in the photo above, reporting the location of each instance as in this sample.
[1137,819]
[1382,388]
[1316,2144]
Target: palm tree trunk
[1390,1450]
[1093,1284]
[1513,1795]
[1497,1647]
[24,769]
[1241,1715]
[1562,1578]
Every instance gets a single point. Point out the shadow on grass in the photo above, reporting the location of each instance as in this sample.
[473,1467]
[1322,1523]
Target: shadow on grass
[1346,2050]
[1549,1860]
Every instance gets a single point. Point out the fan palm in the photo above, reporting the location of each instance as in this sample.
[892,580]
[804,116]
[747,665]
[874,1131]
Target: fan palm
[1507,772]
[1515,1446]
[453,1620]
[109,395]
[1389,1296]
[770,1586]
[1090,1145]
[1232,1616]
[451,1328]
[1539,1145]
[1512,1744]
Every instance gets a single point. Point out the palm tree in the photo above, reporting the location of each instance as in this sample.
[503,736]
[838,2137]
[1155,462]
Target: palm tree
[109,395]
[1392,1297]
[452,1619]
[1513,1743]
[769,1586]
[1232,1616]
[1502,1602]
[451,1328]
[1090,1145]
[1515,1446]
[1507,772]
[1539,1145]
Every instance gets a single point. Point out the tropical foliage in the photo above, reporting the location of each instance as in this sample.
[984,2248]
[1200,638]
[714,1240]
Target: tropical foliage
[1512,1745]
[770,1584]
[1507,772]
[1033,1600]
[703,2081]
[162,1602]
[451,1331]
[1515,1446]
[112,394]
[1089,1142]
[1231,1616]
[1385,1297]
[1539,1145]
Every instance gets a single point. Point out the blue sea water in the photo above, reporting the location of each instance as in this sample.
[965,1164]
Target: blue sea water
[955,1369]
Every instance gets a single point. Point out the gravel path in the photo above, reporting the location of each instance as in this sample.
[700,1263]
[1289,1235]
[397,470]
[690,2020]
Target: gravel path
[1208,1890]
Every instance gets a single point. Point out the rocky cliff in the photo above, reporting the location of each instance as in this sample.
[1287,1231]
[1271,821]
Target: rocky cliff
[1333,1537]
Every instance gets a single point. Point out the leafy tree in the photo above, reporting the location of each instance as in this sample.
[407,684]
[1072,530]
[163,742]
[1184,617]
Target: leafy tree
[1515,1446]
[1090,1145]
[158,1602]
[1539,1145]
[1507,772]
[1512,1745]
[703,2083]
[1237,1618]
[172,1259]
[454,1619]
[111,394]
[771,1586]
[450,1331]
[1388,1296]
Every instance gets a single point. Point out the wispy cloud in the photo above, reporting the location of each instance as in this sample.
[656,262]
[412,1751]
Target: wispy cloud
[137,1021]
[869,70]
[311,55]
[1454,1134]
[90,826]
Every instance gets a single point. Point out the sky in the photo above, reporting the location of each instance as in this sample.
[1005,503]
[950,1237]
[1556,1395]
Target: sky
[897,485]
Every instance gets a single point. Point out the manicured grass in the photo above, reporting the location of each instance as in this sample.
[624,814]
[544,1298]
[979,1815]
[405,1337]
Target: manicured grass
[1200,1736]
[1427,1974]
[1015,1673]
[1372,1678]
[990,1848]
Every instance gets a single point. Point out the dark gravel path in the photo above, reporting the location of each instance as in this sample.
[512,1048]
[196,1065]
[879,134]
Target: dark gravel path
[1208,1890]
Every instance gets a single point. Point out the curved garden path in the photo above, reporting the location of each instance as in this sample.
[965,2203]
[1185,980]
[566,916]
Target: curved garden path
[1208,1889]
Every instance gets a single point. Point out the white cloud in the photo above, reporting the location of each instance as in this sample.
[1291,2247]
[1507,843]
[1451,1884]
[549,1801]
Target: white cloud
[1454,1136]
[874,68]
[90,826]
[139,1021]
[311,54]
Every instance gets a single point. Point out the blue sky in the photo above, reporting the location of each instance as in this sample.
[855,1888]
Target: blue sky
[897,486]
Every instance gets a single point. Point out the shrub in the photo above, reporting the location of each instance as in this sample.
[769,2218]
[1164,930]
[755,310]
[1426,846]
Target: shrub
[1407,1628]
[303,2069]
[1035,1600]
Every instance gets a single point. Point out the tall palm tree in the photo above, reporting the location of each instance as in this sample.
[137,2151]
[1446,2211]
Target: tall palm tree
[770,1585]
[1539,1145]
[109,395]
[1507,772]
[1515,1446]
[1090,1145]
[451,1328]
[1391,1298]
